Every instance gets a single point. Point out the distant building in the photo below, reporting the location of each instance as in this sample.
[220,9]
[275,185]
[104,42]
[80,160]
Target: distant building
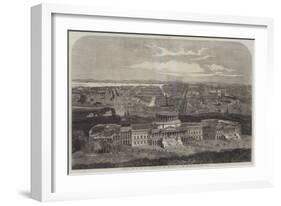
[221,129]
[156,137]
[109,133]
[126,135]
[193,131]
[209,129]
[140,134]
[228,130]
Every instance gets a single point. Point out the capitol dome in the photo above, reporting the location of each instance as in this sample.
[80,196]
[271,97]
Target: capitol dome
[165,119]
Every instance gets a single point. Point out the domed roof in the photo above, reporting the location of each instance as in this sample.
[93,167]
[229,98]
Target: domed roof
[167,113]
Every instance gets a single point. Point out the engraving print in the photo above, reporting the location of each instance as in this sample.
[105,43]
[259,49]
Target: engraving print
[148,100]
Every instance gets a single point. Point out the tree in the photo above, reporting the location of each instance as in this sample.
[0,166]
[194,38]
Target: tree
[96,147]
[79,140]
[82,98]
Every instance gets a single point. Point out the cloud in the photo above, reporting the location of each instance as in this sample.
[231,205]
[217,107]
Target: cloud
[230,75]
[174,68]
[161,51]
[219,68]
[202,58]
[184,69]
[213,75]
[202,75]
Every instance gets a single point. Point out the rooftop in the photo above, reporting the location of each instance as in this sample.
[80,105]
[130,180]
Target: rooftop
[167,113]
[186,124]
[141,126]
[125,129]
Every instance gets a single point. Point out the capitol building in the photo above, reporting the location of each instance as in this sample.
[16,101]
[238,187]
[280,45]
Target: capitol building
[166,130]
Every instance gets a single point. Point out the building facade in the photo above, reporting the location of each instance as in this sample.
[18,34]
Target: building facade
[192,131]
[168,130]
[126,135]
[140,134]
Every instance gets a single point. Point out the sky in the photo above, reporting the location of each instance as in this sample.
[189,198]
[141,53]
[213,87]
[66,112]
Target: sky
[115,56]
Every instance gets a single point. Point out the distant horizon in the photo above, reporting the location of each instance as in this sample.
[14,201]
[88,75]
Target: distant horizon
[157,81]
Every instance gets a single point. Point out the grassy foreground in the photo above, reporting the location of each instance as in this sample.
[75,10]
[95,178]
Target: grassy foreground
[207,157]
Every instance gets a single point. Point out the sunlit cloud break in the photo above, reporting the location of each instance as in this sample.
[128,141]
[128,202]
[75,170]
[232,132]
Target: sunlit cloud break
[170,67]
[202,58]
[175,68]
[219,68]
[161,51]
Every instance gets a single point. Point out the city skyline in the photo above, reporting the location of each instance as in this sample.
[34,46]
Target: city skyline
[117,57]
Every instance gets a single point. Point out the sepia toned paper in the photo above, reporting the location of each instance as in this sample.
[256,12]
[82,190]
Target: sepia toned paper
[148,100]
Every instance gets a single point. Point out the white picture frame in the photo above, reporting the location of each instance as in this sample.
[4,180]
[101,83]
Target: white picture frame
[49,178]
